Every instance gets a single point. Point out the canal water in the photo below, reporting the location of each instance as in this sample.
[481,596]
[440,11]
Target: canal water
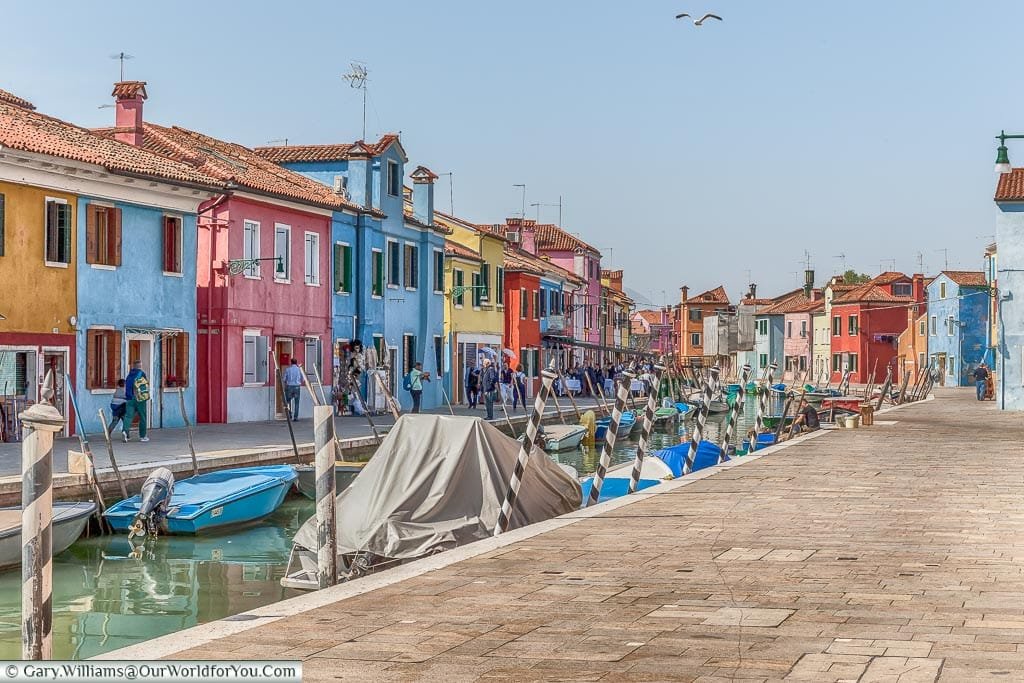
[105,598]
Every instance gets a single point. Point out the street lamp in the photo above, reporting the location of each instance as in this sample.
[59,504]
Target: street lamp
[1002,154]
[240,265]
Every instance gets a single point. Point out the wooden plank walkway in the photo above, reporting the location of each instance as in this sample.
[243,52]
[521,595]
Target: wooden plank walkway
[890,553]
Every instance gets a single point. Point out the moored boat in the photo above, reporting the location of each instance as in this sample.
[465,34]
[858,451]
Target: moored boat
[563,437]
[344,473]
[69,520]
[625,426]
[212,500]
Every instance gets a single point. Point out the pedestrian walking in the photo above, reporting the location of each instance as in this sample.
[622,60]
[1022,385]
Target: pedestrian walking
[472,386]
[136,393]
[414,384]
[293,388]
[506,382]
[118,405]
[981,375]
[489,385]
[520,387]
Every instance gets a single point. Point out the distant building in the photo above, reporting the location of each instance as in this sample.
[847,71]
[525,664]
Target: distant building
[958,329]
[689,319]
[652,331]
[912,346]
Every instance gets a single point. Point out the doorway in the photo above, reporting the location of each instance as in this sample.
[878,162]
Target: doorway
[56,361]
[283,348]
[940,360]
[140,348]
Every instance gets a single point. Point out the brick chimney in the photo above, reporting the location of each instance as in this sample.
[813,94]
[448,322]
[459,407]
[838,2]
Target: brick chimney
[808,283]
[917,281]
[529,237]
[684,294]
[423,194]
[129,96]
[752,294]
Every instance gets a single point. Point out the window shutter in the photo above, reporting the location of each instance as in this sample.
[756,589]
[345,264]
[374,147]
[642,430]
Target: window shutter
[262,364]
[339,268]
[1,225]
[115,236]
[348,269]
[51,231]
[64,222]
[415,267]
[90,358]
[91,238]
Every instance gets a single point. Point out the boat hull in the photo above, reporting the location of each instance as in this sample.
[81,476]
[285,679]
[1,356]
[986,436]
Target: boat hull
[567,441]
[69,520]
[305,483]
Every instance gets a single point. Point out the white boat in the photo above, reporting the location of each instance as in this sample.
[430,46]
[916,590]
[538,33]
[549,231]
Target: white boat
[69,520]
[563,437]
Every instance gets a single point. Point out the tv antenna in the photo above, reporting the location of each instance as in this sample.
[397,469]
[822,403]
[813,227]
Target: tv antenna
[122,56]
[559,205]
[842,257]
[891,261]
[920,263]
[945,254]
[357,78]
[807,259]
[278,141]
[522,186]
[451,191]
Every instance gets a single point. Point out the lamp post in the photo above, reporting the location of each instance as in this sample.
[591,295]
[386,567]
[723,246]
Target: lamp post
[1002,154]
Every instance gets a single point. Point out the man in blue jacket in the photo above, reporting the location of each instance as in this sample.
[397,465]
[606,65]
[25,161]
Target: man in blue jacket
[136,394]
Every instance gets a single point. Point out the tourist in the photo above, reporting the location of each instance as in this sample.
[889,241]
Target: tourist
[118,405]
[136,394]
[520,387]
[807,417]
[292,388]
[506,382]
[981,374]
[489,385]
[472,386]
[415,381]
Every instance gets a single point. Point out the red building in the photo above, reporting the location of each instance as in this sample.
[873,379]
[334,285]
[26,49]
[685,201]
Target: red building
[867,322]
[522,319]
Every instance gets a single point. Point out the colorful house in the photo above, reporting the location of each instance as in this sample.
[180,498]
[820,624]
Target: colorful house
[1009,198]
[797,347]
[616,307]
[401,255]
[958,309]
[115,265]
[522,317]
[652,331]
[912,345]
[689,319]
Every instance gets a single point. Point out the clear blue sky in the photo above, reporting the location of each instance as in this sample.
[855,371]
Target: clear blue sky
[696,154]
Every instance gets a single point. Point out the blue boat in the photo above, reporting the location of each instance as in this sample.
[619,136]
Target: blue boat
[674,456]
[215,499]
[625,426]
[613,487]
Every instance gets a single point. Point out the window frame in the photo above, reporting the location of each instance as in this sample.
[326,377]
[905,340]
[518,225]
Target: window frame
[950,326]
[438,355]
[311,279]
[286,258]
[251,251]
[318,360]
[179,245]
[378,273]
[110,361]
[393,276]
[837,326]
[942,290]
[524,304]
[346,284]
[477,293]
[408,352]
[438,271]
[183,369]
[499,287]
[58,202]
[853,325]
[411,266]
[536,304]
[393,178]
[255,336]
[695,336]
[933,328]
[458,280]
[105,253]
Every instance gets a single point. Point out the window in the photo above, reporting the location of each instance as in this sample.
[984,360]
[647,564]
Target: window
[695,339]
[524,305]
[499,285]
[174,360]
[312,258]
[763,360]
[58,232]
[543,301]
[342,268]
[255,366]
[172,244]
[942,290]
[696,315]
[1,225]
[394,265]
[103,235]
[438,355]
[762,326]
[251,247]
[458,281]
[852,326]
[803,362]
[377,264]
[803,329]
[951,368]
[408,352]
[853,362]
[412,266]
[922,328]
[902,289]
[438,270]
[950,326]
[789,329]
[394,179]
[314,359]
[920,360]
[933,326]
[477,292]
[283,252]
[837,362]
[536,305]
[485,280]
[103,359]
[837,326]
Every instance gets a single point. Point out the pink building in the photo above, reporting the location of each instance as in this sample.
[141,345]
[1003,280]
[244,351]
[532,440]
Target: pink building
[653,328]
[797,331]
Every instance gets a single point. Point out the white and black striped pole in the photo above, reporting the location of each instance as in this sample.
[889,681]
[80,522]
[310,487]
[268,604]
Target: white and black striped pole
[844,383]
[762,397]
[547,378]
[734,412]
[621,396]
[645,435]
[326,518]
[697,433]
[41,422]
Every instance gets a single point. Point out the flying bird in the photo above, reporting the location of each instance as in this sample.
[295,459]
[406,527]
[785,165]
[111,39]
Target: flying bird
[699,22]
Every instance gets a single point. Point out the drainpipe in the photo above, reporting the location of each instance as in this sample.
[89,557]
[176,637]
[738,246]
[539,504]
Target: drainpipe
[360,266]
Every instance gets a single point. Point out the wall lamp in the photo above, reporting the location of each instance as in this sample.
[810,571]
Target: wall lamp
[240,265]
[1002,154]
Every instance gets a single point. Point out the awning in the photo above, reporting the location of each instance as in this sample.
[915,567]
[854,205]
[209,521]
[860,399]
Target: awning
[569,341]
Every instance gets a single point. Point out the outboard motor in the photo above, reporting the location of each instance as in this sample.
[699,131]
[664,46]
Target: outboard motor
[156,499]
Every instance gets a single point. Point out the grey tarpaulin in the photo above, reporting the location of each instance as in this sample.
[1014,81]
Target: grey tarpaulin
[437,482]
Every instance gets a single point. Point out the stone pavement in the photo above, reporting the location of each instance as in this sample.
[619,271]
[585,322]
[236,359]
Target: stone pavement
[889,553]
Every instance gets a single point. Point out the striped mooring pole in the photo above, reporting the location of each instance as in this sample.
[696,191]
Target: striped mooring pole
[41,421]
[697,433]
[734,412]
[547,378]
[326,514]
[621,396]
[645,435]
[763,397]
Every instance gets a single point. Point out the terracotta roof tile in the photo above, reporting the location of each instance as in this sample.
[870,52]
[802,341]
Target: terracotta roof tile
[553,238]
[967,278]
[456,249]
[517,261]
[867,293]
[1010,186]
[712,296]
[129,89]
[11,98]
[335,152]
[652,317]
[889,277]
[29,131]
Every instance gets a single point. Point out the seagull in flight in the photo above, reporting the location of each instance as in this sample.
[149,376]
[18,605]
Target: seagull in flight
[699,22]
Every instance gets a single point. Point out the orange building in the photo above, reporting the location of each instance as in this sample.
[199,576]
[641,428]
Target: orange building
[688,319]
[913,344]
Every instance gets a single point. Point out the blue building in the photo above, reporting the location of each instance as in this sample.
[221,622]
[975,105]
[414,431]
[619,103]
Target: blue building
[958,325]
[398,258]
[769,343]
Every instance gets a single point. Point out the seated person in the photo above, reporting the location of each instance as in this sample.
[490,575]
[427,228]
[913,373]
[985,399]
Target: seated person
[807,417]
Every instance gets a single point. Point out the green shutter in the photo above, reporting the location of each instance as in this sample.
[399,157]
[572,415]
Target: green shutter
[339,268]
[348,269]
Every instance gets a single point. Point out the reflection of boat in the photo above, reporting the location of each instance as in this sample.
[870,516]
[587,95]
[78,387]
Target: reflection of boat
[563,437]
[716,407]
[344,473]
[260,543]
[69,520]
[215,499]
[435,483]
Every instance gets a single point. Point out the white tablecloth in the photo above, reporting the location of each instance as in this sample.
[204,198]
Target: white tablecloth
[635,386]
[573,385]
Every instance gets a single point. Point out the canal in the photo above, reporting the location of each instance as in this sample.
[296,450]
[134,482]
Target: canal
[107,598]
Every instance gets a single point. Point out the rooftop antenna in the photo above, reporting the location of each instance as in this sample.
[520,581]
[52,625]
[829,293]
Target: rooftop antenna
[523,187]
[611,256]
[890,261]
[920,262]
[121,56]
[945,253]
[540,204]
[451,191]
[843,258]
[807,259]
[357,78]
[278,141]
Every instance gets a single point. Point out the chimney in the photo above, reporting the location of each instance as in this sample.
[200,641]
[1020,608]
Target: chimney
[685,296]
[360,175]
[918,287]
[808,283]
[129,96]
[752,294]
[528,237]
[423,194]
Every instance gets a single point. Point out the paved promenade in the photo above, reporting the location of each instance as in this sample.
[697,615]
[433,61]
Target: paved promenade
[889,553]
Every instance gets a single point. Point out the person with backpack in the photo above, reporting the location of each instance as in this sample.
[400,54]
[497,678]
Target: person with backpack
[489,385]
[414,384]
[136,394]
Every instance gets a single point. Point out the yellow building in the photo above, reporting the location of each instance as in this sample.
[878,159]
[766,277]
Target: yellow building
[616,308]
